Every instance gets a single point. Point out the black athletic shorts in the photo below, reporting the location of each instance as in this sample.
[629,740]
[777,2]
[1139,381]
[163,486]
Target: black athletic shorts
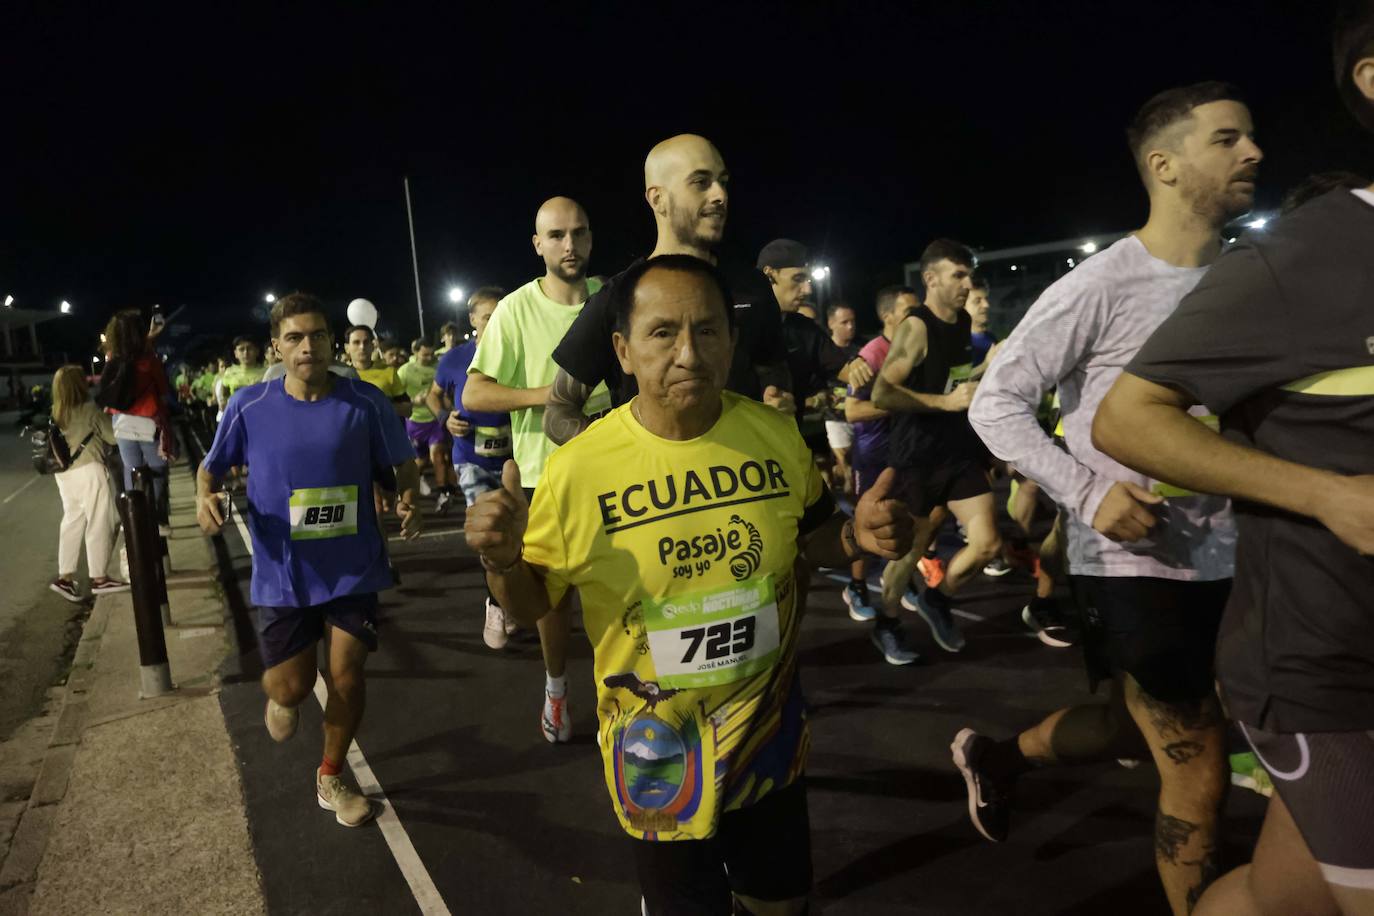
[1161,632]
[763,851]
[924,488]
[284,632]
[1324,778]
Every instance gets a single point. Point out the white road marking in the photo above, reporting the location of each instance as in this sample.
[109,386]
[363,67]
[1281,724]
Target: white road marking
[426,895]
[430,534]
[32,481]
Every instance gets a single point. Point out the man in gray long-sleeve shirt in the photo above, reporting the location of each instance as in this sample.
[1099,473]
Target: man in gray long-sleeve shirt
[1150,565]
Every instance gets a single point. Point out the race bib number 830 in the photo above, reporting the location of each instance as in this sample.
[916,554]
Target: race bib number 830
[323,512]
[709,638]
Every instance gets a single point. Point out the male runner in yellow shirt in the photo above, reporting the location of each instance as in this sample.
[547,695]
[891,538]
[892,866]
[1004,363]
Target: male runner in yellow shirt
[678,518]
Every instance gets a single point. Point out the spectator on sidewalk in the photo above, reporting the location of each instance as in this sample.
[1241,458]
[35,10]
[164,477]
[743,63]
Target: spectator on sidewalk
[88,511]
[134,387]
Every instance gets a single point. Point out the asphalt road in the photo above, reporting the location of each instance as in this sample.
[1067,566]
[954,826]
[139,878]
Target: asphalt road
[37,625]
[502,822]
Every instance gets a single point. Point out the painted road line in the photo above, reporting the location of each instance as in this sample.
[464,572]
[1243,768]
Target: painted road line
[32,481]
[397,840]
[429,534]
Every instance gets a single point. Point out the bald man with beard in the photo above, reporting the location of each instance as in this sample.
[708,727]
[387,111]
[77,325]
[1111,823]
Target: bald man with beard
[511,373]
[686,186]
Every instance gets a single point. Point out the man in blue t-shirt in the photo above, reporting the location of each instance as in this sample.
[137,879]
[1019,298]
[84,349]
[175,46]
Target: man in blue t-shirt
[315,442]
[481,441]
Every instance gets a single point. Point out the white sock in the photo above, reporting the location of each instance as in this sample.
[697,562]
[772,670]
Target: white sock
[556,687]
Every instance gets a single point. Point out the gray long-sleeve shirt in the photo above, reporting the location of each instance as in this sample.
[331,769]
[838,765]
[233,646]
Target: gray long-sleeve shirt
[1078,336]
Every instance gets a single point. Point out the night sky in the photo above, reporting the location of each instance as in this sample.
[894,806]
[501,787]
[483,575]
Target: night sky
[207,157]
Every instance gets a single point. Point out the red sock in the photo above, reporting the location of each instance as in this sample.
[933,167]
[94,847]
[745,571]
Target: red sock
[329,767]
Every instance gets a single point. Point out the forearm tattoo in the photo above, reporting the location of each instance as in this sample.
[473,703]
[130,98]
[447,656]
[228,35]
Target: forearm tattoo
[563,417]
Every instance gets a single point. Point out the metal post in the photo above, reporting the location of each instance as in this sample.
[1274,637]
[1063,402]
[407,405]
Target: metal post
[414,258]
[140,527]
[156,546]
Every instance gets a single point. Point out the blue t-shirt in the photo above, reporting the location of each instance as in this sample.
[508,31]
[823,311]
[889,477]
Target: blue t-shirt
[489,443]
[311,518]
[982,343]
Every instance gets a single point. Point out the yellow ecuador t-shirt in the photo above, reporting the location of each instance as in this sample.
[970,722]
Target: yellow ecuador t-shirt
[682,553]
[385,378]
[516,350]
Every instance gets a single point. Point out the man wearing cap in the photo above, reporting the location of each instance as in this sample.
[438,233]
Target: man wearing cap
[812,357]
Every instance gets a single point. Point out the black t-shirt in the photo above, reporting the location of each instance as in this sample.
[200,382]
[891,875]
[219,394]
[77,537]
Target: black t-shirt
[586,352]
[812,357]
[1278,341]
[929,439]
[839,387]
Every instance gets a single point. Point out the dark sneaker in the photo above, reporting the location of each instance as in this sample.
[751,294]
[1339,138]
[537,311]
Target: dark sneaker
[891,642]
[1047,626]
[67,589]
[939,618]
[997,568]
[989,804]
[106,586]
[856,599]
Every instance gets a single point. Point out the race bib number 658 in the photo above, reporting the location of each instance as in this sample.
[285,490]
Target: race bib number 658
[713,637]
[323,512]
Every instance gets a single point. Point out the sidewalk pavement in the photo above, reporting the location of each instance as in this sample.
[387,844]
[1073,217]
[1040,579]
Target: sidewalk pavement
[137,805]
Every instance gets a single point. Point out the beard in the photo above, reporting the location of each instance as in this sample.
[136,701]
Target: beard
[1214,202]
[569,273]
[692,228]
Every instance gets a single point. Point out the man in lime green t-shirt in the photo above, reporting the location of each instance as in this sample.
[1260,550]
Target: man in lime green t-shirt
[247,371]
[427,432]
[679,518]
[511,372]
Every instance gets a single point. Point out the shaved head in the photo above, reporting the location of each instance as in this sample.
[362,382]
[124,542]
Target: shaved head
[558,211]
[678,156]
[685,184]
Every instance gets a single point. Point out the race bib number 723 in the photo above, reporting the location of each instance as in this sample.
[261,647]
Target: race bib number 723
[713,637]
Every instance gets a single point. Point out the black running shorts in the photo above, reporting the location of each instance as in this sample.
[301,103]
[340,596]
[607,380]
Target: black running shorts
[1324,778]
[284,632]
[924,488]
[763,851]
[1161,632]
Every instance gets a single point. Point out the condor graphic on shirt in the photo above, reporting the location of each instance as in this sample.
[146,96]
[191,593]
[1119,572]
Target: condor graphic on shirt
[682,554]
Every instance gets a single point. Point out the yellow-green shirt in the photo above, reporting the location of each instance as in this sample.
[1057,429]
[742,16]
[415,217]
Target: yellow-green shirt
[682,554]
[385,378]
[416,379]
[516,350]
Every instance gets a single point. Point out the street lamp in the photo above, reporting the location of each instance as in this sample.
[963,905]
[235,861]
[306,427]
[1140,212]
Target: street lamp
[65,307]
[269,298]
[455,294]
[9,302]
[1258,222]
[1088,247]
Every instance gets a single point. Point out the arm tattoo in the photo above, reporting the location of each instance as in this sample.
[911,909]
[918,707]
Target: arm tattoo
[1210,870]
[563,417]
[1171,835]
[1181,752]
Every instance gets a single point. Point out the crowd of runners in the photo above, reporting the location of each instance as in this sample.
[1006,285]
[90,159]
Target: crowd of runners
[669,451]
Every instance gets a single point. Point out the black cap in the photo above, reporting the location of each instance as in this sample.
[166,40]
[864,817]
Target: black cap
[783,253]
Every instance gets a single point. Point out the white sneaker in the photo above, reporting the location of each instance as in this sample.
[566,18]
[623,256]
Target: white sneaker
[280,720]
[425,488]
[441,504]
[351,808]
[494,631]
[554,720]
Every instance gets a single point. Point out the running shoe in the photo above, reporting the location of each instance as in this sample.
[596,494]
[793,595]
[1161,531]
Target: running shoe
[442,503]
[164,531]
[280,720]
[1248,773]
[989,804]
[67,589]
[351,808]
[891,642]
[494,631]
[939,619]
[997,568]
[554,721]
[1047,626]
[107,586]
[932,569]
[425,488]
[511,626]
[856,599]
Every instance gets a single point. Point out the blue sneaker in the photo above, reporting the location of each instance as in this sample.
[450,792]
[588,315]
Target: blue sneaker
[856,599]
[891,642]
[939,619]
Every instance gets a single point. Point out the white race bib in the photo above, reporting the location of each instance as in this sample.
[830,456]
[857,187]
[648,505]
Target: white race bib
[713,637]
[323,512]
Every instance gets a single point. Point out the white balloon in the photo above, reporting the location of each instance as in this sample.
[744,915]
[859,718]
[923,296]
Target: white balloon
[362,312]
